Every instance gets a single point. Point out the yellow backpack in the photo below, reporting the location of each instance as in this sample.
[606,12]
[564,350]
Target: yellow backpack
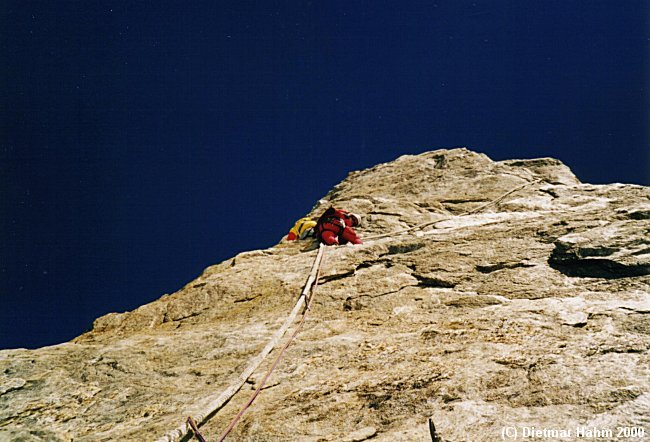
[303,228]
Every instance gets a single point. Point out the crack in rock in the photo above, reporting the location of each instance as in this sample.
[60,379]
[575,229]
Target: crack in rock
[350,304]
[403,248]
[502,266]
[426,281]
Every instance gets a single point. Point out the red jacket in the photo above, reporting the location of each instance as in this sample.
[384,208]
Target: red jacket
[335,227]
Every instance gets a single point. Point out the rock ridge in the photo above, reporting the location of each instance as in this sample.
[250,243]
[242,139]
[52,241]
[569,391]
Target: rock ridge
[532,311]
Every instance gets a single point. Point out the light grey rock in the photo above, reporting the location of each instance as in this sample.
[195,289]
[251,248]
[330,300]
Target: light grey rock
[615,250]
[501,308]
[361,435]
[11,384]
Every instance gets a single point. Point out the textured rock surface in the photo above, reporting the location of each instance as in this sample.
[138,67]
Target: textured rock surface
[534,311]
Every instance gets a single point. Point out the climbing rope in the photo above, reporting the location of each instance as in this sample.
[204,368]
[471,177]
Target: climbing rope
[277,358]
[215,405]
[195,429]
[469,212]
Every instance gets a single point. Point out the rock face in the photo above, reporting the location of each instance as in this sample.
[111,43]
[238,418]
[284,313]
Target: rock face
[504,309]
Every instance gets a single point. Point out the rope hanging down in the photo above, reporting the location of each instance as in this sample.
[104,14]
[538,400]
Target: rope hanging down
[216,404]
[278,357]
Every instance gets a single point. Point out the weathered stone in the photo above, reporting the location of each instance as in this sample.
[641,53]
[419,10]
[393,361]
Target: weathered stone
[616,250]
[485,308]
[11,384]
[360,435]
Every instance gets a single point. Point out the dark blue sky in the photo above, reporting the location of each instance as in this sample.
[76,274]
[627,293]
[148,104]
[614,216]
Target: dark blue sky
[142,141]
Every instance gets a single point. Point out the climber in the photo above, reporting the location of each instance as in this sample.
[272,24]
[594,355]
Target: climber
[303,228]
[335,226]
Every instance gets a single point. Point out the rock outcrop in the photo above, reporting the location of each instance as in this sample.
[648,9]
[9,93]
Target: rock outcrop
[529,310]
